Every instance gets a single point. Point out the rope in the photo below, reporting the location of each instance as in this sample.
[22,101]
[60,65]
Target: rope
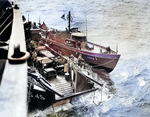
[55,51]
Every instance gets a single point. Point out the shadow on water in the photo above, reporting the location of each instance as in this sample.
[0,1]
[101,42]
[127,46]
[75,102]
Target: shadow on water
[2,66]
[105,76]
[3,53]
[3,50]
[3,57]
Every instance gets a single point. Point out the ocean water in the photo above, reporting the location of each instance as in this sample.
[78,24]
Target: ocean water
[116,23]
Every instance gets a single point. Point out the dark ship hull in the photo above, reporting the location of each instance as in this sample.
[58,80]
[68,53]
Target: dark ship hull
[6,19]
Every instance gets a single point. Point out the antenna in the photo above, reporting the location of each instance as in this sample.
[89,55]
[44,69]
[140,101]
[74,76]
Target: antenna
[117,49]
[39,20]
[86,18]
[28,17]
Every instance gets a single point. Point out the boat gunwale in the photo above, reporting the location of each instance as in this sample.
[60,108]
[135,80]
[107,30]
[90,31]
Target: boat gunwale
[100,55]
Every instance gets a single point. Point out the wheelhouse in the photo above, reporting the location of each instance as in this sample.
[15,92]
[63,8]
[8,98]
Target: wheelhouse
[78,36]
[80,39]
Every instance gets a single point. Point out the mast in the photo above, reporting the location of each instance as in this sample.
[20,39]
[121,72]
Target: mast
[69,20]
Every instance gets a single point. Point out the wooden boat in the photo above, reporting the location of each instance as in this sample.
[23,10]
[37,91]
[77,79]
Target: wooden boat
[74,42]
[60,90]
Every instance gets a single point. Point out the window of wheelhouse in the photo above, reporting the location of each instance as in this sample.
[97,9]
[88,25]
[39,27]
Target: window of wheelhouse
[78,38]
[70,43]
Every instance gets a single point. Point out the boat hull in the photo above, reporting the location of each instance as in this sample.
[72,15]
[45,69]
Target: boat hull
[6,14]
[97,60]
[108,62]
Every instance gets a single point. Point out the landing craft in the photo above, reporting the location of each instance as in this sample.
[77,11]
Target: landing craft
[60,84]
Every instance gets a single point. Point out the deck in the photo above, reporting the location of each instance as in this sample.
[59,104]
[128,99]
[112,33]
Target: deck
[13,88]
[96,49]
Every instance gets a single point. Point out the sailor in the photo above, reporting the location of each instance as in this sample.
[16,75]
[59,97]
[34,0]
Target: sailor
[74,29]
[79,45]
[100,50]
[34,55]
[40,43]
[80,60]
[34,25]
[72,57]
[24,19]
[108,49]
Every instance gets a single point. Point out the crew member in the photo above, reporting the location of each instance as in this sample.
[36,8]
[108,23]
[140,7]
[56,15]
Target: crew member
[80,60]
[79,45]
[108,49]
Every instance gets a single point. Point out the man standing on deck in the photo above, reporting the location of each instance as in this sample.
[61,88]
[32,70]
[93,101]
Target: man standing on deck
[108,49]
[79,45]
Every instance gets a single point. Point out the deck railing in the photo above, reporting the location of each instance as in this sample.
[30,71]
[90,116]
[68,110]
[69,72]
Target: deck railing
[13,87]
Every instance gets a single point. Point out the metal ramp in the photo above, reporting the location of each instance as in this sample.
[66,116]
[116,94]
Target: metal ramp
[65,89]
[62,86]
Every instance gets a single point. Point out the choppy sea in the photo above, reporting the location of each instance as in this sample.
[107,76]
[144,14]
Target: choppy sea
[116,23]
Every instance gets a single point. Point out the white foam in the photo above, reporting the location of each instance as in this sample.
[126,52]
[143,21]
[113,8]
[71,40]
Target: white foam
[141,81]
